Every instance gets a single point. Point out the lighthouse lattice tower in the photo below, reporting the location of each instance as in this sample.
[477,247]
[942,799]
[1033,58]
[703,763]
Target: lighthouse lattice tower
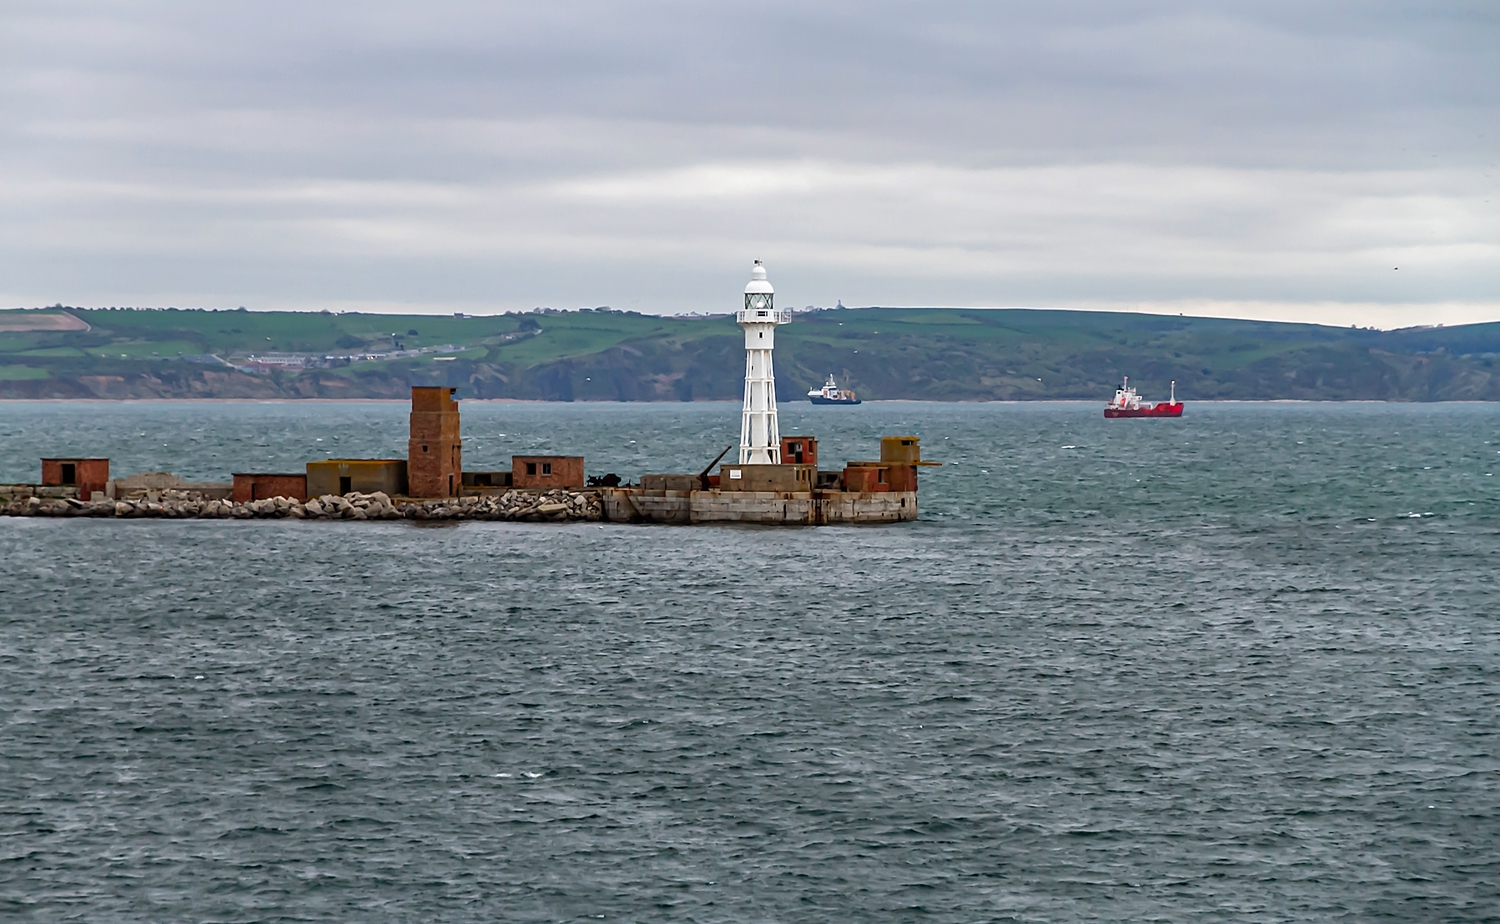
[760,437]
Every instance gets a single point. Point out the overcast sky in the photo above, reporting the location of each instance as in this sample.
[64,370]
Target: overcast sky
[1326,161]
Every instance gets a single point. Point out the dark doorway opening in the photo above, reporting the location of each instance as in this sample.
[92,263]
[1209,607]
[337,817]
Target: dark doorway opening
[69,473]
[345,484]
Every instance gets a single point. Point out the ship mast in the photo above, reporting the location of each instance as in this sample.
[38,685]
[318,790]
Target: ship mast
[760,436]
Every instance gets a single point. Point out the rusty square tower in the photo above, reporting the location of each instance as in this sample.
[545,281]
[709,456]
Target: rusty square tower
[434,458]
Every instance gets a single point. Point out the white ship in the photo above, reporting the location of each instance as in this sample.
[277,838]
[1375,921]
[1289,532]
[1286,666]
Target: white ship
[830,393]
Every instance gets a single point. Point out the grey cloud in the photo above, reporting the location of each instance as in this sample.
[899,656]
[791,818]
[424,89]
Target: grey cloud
[506,155]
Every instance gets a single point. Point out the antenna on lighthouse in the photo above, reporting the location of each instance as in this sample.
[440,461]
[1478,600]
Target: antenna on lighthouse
[760,436]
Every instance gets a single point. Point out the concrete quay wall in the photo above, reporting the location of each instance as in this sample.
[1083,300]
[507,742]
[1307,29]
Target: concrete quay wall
[810,508]
[869,506]
[9,491]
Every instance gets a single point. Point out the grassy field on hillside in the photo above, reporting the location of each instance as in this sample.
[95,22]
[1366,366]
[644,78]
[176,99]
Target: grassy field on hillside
[884,353]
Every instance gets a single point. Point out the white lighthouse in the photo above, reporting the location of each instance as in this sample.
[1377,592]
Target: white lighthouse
[760,437]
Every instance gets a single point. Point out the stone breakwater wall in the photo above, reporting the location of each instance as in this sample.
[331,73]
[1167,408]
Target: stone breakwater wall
[557,505]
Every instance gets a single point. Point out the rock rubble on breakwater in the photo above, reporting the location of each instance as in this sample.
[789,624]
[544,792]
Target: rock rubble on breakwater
[557,505]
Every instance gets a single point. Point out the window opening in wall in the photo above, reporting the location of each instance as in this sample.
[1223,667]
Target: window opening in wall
[546,468]
[346,484]
[531,468]
[69,473]
[424,447]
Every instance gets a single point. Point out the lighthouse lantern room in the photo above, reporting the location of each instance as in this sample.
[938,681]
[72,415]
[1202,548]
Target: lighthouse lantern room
[760,437]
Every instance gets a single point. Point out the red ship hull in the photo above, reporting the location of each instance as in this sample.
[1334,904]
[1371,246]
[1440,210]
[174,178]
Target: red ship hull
[1163,409]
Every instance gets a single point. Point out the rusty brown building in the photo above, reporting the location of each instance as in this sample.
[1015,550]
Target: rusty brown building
[799,450]
[546,471]
[88,475]
[879,476]
[434,458]
[900,457]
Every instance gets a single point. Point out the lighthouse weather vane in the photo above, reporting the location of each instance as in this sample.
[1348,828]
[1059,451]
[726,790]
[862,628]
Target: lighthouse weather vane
[760,437]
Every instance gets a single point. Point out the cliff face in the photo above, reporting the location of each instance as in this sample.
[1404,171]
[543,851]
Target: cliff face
[1378,378]
[926,354]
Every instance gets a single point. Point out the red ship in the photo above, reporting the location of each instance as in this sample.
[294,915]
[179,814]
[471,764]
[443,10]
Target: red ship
[1126,403]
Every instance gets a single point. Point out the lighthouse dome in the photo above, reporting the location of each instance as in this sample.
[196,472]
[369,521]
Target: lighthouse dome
[758,284]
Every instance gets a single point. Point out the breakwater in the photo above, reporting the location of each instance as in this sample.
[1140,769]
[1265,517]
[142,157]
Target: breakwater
[557,505]
[431,483]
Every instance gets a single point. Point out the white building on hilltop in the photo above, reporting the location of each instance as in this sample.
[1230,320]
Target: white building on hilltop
[760,436]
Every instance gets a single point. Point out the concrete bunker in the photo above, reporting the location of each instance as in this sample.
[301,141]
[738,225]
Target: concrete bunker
[254,486]
[342,476]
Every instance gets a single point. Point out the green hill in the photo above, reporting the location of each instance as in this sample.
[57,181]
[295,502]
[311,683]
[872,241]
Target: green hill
[884,353]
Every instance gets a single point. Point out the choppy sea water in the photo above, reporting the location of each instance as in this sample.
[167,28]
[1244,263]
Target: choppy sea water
[1241,666]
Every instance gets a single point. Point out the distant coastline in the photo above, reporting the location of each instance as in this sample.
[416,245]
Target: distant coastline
[925,354]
